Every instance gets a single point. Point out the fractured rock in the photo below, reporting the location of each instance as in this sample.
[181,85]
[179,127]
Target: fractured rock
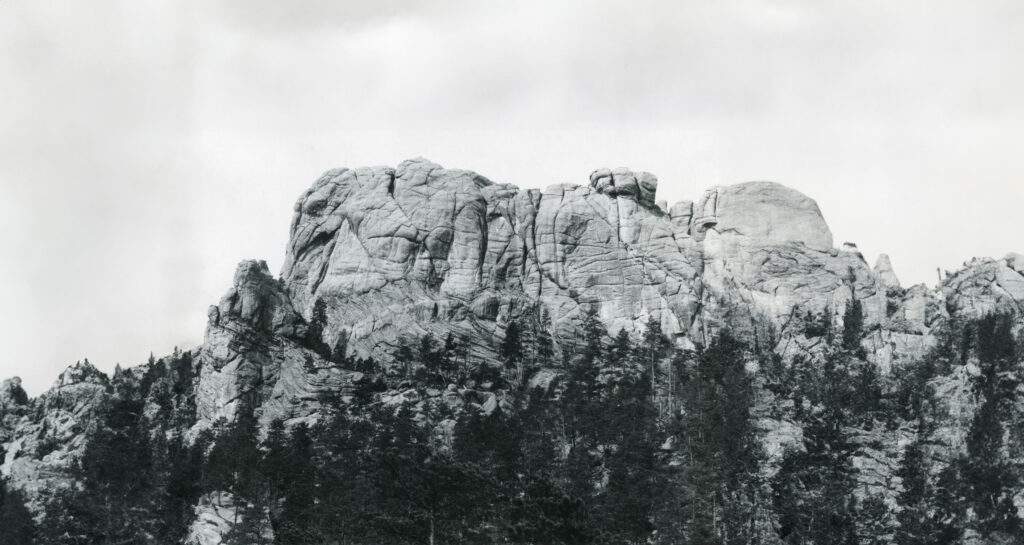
[883,268]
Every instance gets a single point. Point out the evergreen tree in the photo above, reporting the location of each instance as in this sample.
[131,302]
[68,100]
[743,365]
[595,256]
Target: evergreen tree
[853,325]
[813,490]
[16,524]
[234,466]
[718,485]
[511,349]
[233,462]
[118,494]
[543,338]
[315,330]
[347,499]
[628,439]
[405,359]
[339,354]
[653,350]
[580,408]
[989,477]
[540,510]
[290,460]
[928,514]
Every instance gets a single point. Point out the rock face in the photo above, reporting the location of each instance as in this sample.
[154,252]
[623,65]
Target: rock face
[421,248]
[215,515]
[12,395]
[986,285]
[254,355]
[378,254]
[418,248]
[41,446]
[764,211]
[883,268]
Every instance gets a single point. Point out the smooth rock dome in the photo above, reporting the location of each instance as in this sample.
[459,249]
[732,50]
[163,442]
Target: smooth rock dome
[766,211]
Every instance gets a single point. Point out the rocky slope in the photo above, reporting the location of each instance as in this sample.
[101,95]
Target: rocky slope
[381,254]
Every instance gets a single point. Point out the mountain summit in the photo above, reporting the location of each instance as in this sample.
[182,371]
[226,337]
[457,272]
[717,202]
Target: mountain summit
[419,300]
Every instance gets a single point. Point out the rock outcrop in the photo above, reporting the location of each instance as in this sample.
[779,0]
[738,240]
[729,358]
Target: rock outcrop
[421,248]
[883,268]
[379,254]
[42,445]
[986,285]
[764,211]
[255,355]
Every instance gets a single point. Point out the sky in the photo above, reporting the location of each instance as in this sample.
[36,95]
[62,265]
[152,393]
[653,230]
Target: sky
[147,146]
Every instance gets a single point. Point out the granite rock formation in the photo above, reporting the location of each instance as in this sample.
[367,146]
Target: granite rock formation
[378,254]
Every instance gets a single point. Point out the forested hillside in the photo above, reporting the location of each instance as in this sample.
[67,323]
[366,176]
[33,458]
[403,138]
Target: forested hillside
[447,360]
[631,442]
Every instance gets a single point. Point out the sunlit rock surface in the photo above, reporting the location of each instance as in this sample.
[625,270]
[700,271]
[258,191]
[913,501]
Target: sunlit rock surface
[377,254]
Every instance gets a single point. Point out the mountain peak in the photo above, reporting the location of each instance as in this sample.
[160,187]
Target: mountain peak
[81,372]
[766,211]
[883,268]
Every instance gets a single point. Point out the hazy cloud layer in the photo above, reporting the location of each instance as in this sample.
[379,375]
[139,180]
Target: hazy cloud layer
[147,147]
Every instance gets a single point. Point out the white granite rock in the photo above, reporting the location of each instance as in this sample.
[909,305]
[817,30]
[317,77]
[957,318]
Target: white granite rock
[255,355]
[883,268]
[216,514]
[420,248]
[765,211]
[986,285]
[41,446]
[391,252]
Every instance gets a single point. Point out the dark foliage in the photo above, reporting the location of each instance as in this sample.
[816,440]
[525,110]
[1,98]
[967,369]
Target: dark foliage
[16,524]
[625,443]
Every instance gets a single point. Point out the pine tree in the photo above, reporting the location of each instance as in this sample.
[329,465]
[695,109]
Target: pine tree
[543,338]
[653,349]
[234,466]
[628,437]
[17,526]
[233,463]
[927,516]
[405,358]
[315,330]
[339,354]
[511,351]
[716,488]
[853,325]
[580,404]
[989,478]
[290,458]
[813,490]
[117,497]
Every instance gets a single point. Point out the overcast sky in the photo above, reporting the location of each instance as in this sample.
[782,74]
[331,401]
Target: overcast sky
[148,146]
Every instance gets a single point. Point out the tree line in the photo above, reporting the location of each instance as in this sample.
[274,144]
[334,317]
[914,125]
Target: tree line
[634,441]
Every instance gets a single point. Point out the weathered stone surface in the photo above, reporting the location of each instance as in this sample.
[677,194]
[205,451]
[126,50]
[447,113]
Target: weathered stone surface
[14,403]
[986,285]
[421,249]
[215,515]
[765,211]
[12,395]
[44,444]
[681,213]
[883,268]
[255,354]
[759,289]
[380,253]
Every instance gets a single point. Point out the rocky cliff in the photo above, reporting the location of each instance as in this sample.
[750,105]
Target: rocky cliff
[400,250]
[380,255]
